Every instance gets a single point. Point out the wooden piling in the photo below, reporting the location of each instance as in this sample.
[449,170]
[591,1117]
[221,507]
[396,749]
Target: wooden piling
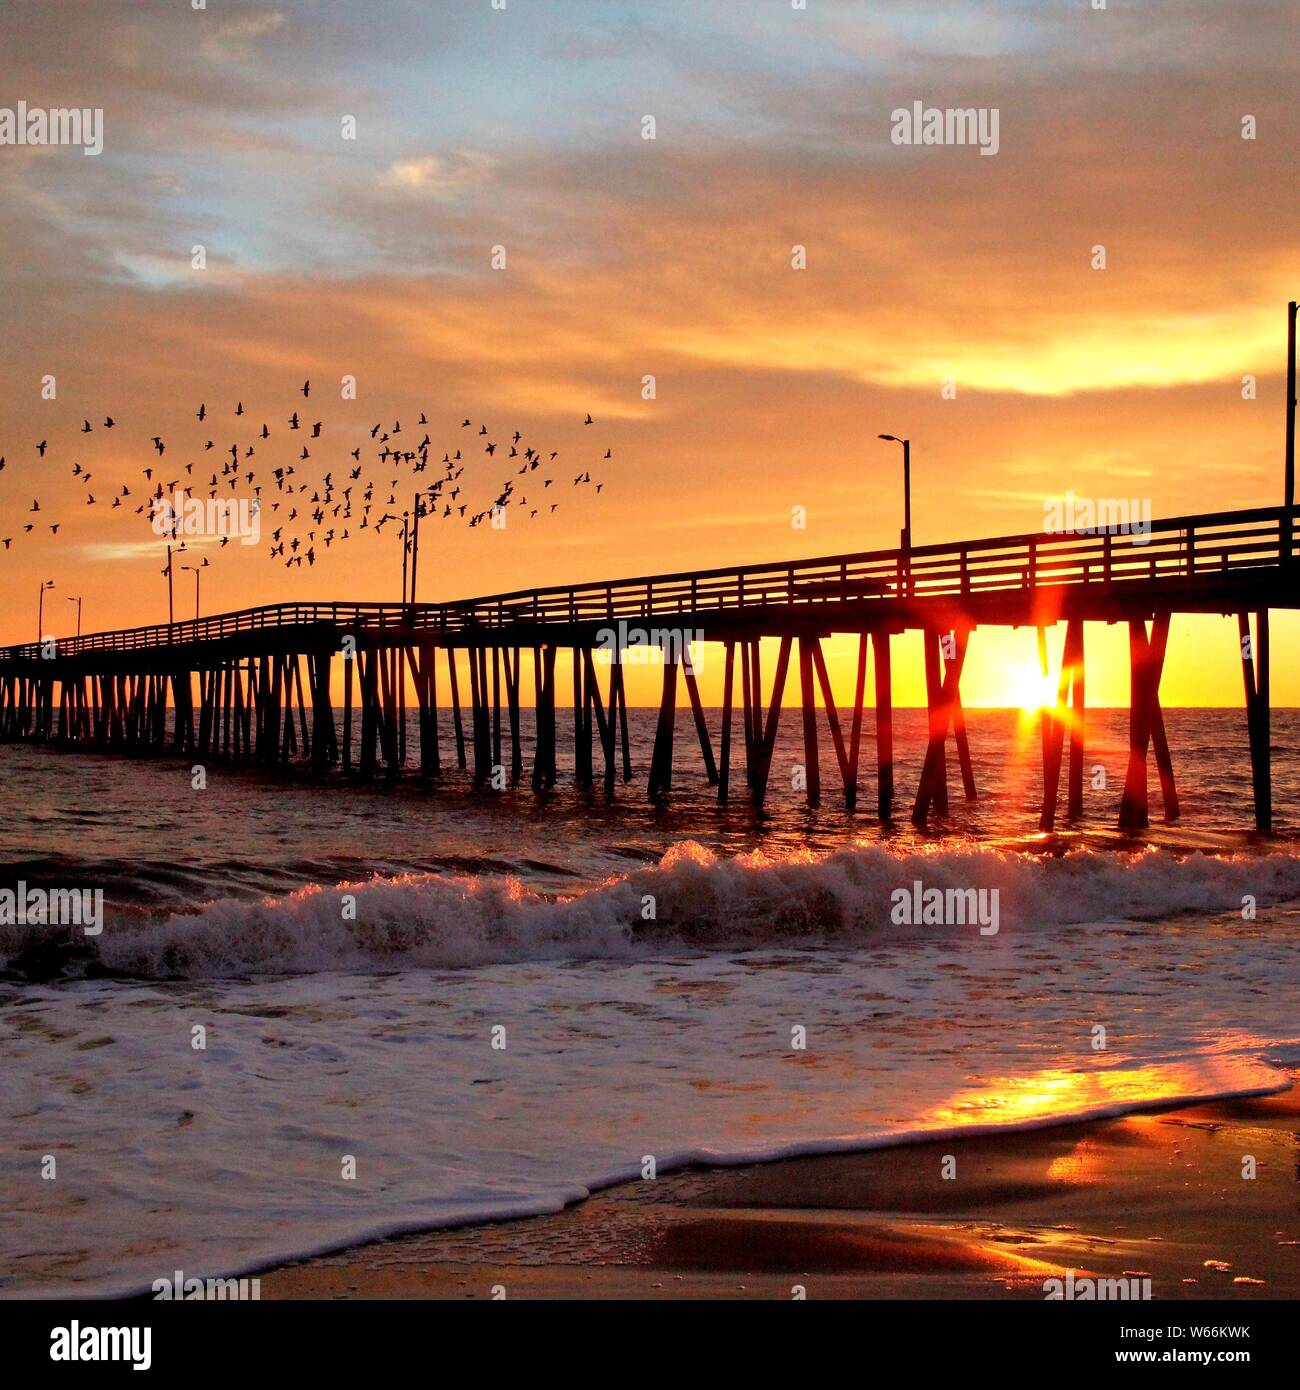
[1258,714]
[724,751]
[812,761]
[767,739]
[697,712]
[661,761]
[455,708]
[880,642]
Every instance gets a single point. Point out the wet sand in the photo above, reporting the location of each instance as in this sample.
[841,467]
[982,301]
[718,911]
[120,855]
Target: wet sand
[1158,1196]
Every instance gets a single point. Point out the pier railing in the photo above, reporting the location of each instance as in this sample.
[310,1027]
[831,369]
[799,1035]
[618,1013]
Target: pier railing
[1188,548]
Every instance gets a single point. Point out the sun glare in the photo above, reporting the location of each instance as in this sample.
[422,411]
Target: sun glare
[1028,689]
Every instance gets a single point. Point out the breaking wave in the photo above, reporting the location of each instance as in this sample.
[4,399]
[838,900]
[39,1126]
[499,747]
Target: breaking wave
[691,900]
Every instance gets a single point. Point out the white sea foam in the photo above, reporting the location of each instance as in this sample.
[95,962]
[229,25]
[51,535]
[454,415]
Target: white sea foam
[697,900]
[624,1038]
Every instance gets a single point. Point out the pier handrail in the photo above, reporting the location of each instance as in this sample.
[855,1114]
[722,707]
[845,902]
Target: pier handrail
[1184,547]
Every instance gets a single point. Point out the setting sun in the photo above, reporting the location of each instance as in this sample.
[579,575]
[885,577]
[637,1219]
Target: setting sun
[1027,688]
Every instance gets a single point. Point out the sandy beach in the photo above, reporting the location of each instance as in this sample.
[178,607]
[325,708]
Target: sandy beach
[1156,1195]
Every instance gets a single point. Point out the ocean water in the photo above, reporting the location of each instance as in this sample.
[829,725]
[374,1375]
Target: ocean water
[422,1007]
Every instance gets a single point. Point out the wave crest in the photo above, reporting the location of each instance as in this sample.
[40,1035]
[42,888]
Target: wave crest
[692,899]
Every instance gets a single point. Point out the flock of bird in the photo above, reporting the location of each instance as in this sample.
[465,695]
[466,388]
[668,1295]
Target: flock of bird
[312,507]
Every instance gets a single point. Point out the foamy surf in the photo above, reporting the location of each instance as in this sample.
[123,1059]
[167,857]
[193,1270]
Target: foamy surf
[369,1037]
[692,899]
[233,1156]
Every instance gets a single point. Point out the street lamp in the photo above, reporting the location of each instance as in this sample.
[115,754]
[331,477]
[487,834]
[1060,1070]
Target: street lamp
[1288,493]
[40,610]
[907,486]
[77,601]
[416,511]
[171,611]
[196,570]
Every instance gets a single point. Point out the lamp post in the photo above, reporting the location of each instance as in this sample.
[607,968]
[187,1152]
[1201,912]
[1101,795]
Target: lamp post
[40,610]
[1289,485]
[77,601]
[196,570]
[907,487]
[171,609]
[415,544]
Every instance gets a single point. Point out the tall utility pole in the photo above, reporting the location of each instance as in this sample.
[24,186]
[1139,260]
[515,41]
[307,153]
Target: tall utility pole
[906,536]
[1290,403]
[171,610]
[40,611]
[197,571]
[77,601]
[406,550]
[415,545]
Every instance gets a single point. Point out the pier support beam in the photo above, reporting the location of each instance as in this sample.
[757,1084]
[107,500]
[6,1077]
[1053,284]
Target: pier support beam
[942,684]
[880,641]
[697,711]
[848,768]
[811,755]
[544,771]
[1255,675]
[1069,683]
[455,708]
[1146,725]
[661,761]
[767,737]
[728,694]
[512,703]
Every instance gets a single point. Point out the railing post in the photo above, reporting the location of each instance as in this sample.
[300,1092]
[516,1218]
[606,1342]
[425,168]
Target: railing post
[1191,552]
[1105,557]
[1031,573]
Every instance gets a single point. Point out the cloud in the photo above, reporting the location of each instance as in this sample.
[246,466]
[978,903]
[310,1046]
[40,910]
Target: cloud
[631,257]
[440,176]
[235,38]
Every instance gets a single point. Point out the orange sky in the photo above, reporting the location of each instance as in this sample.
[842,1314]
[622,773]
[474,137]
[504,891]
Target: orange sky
[672,257]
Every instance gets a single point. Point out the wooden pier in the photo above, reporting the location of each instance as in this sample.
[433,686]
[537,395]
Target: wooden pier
[255,686]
